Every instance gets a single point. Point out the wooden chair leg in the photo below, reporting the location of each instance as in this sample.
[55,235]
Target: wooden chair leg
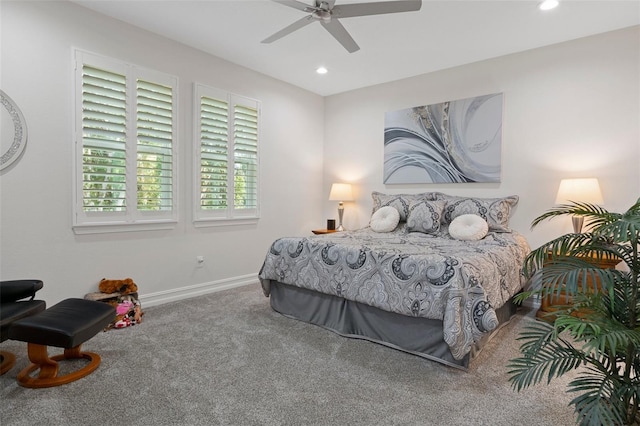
[48,374]
[7,361]
[73,353]
[39,356]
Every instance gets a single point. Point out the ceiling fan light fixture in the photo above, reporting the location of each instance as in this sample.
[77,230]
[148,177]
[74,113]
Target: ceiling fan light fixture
[548,4]
[323,15]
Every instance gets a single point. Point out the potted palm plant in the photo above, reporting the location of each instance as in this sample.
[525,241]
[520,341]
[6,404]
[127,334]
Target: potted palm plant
[598,331]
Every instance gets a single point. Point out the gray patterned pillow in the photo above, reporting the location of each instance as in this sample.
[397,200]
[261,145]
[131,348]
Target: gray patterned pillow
[400,201]
[496,211]
[425,216]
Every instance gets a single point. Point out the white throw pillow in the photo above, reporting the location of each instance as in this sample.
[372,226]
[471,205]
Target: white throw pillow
[385,219]
[468,227]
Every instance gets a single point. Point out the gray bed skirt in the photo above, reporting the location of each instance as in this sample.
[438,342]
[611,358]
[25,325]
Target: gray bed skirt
[415,335]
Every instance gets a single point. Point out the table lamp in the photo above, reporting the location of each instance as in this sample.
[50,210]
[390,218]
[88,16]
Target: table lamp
[583,190]
[340,192]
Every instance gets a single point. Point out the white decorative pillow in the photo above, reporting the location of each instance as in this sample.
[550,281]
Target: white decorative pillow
[468,227]
[385,219]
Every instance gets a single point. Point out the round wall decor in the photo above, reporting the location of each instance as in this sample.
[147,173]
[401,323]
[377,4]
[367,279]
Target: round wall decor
[14,131]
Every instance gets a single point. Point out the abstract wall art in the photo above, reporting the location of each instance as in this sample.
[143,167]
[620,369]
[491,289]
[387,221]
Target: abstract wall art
[450,142]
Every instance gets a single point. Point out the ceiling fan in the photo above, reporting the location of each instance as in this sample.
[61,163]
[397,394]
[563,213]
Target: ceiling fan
[327,13]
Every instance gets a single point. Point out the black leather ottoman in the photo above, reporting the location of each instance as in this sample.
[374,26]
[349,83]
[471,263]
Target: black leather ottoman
[13,307]
[67,325]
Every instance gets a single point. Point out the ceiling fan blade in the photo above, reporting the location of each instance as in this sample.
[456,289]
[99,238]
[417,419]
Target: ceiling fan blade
[296,4]
[377,8]
[289,29]
[340,33]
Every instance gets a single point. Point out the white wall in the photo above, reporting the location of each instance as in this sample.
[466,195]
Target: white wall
[570,110]
[36,193]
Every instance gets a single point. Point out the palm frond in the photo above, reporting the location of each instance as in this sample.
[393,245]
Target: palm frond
[627,397]
[618,302]
[535,335]
[591,212]
[524,295]
[578,328]
[573,275]
[593,405]
[626,228]
[560,247]
[602,335]
[543,356]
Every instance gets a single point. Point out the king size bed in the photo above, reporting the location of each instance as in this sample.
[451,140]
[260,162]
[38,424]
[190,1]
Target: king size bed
[411,286]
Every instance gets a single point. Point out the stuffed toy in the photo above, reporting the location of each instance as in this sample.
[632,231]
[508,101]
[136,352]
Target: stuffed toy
[134,309]
[128,312]
[126,286]
[123,297]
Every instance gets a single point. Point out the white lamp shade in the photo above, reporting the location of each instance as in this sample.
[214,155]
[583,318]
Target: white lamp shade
[341,192]
[585,190]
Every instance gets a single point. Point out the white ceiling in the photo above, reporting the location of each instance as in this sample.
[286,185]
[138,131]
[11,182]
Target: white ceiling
[443,34]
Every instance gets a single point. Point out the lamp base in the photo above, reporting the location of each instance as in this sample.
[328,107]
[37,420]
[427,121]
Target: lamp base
[340,214]
[577,222]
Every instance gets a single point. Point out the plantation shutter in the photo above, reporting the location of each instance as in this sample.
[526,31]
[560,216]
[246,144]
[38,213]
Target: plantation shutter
[245,154]
[214,132]
[125,156]
[104,126]
[154,128]
[227,143]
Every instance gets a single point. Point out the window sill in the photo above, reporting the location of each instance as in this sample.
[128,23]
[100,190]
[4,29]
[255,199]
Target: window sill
[107,228]
[207,223]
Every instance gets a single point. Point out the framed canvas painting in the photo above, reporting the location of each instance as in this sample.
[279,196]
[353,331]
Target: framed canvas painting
[450,142]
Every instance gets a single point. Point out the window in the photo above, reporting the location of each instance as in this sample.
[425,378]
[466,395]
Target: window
[125,146]
[226,145]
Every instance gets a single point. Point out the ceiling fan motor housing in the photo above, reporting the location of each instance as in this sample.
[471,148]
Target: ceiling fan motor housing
[322,11]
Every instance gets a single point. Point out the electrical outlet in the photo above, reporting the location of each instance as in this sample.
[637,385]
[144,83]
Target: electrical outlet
[200,261]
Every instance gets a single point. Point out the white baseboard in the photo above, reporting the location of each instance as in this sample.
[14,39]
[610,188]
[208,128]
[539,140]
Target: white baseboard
[166,296]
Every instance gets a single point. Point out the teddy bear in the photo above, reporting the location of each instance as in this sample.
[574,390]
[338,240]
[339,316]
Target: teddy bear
[125,286]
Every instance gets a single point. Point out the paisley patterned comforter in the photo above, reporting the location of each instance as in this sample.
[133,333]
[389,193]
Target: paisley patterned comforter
[414,274]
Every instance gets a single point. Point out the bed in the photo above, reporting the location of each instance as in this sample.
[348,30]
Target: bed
[412,287]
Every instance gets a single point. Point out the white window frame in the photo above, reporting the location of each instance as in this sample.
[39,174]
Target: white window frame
[87,222]
[230,215]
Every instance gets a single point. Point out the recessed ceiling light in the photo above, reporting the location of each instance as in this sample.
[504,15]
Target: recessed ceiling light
[548,4]
[321,70]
